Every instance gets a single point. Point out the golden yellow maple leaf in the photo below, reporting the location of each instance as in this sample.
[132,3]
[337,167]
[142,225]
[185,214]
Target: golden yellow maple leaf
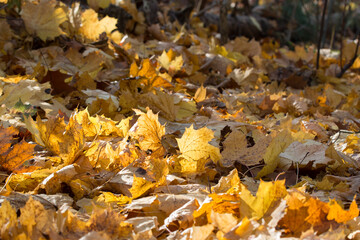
[229,184]
[170,62]
[109,197]
[8,219]
[97,126]
[149,131]
[276,146]
[221,203]
[140,187]
[91,26]
[196,150]
[43,18]
[340,215]
[65,140]
[148,75]
[109,221]
[268,196]
[35,217]
[102,155]
[155,171]
[25,182]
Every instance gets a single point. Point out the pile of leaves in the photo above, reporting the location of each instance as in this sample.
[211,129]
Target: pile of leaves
[164,133]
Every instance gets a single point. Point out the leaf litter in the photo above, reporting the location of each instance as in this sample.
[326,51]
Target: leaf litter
[161,132]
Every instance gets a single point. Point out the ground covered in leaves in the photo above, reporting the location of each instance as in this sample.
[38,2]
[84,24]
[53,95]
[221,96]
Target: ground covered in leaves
[165,133]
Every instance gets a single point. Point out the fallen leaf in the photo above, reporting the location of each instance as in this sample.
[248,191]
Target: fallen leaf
[43,18]
[92,28]
[195,149]
[149,132]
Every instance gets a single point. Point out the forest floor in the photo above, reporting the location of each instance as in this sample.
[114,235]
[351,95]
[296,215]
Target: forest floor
[117,124]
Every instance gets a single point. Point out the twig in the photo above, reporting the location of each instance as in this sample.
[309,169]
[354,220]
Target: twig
[349,64]
[6,183]
[326,23]
[291,21]
[342,32]
[297,168]
[321,34]
[224,25]
[205,9]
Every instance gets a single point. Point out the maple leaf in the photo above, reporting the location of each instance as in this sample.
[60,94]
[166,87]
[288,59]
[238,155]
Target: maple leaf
[92,28]
[310,152]
[229,184]
[196,150]
[29,91]
[148,75]
[149,131]
[170,62]
[26,182]
[200,94]
[277,145]
[340,215]
[8,219]
[109,197]
[220,203]
[43,18]
[102,155]
[268,195]
[12,158]
[64,140]
[96,126]
[140,187]
[163,103]
[34,216]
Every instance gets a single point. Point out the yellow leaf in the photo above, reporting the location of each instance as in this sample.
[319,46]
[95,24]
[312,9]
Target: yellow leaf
[102,155]
[109,197]
[185,109]
[163,103]
[34,215]
[97,126]
[276,146]
[43,18]
[196,150]
[340,215]
[220,203]
[245,228]
[140,187]
[200,94]
[148,74]
[149,131]
[229,184]
[268,196]
[8,219]
[92,28]
[67,141]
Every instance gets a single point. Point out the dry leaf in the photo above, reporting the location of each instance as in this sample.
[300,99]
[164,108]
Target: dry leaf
[195,149]
[43,18]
